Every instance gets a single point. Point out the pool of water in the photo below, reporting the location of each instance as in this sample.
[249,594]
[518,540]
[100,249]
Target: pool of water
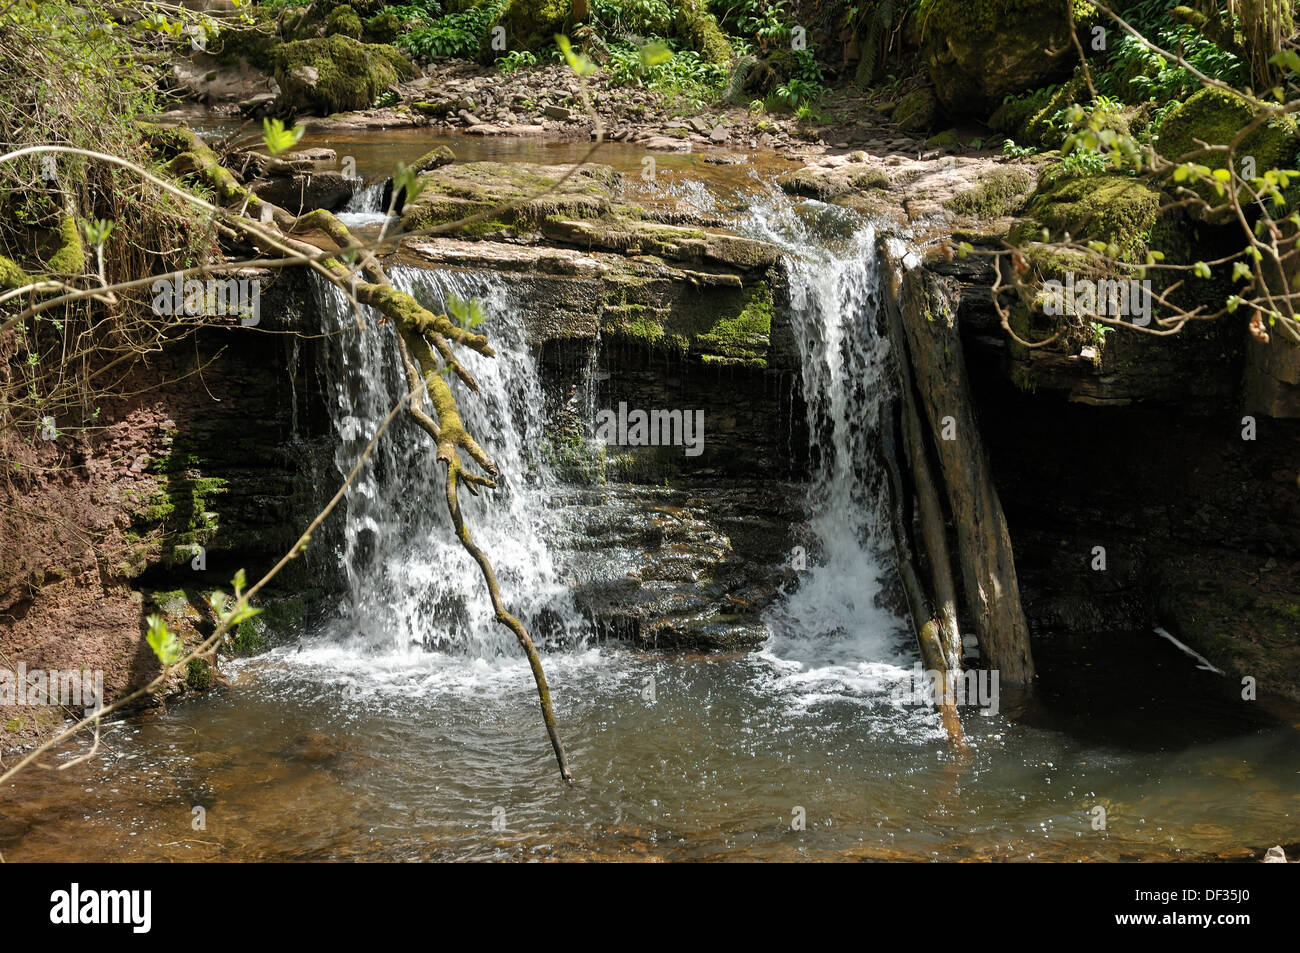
[318,751]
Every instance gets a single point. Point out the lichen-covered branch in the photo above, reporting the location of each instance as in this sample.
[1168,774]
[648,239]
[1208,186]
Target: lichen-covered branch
[425,344]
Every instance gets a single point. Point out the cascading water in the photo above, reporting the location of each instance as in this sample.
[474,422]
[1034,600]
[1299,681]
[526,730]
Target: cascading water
[411,588]
[410,585]
[365,207]
[831,632]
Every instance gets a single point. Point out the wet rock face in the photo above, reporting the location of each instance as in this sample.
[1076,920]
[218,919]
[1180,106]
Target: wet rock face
[679,568]
[1200,528]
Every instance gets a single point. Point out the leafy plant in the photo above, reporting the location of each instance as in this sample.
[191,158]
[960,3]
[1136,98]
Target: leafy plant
[796,93]
[456,35]
[516,59]
[468,314]
[166,646]
[279,139]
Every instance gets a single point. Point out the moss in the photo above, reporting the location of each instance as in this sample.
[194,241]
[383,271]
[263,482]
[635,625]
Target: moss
[1215,116]
[1116,209]
[533,24]
[976,20]
[343,21]
[257,46]
[199,676]
[183,507]
[434,159]
[454,191]
[1029,119]
[948,139]
[280,620]
[350,74]
[744,338]
[70,258]
[916,110]
[1001,193]
[980,51]
[11,276]
[14,725]
[383,27]
[693,23]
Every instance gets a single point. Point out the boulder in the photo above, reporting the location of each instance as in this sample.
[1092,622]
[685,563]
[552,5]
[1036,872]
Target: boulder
[336,73]
[306,191]
[980,51]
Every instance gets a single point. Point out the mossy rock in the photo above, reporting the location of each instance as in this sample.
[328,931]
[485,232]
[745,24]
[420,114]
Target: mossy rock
[69,257]
[1115,209]
[743,338]
[1001,193]
[1028,119]
[1215,116]
[434,159]
[11,275]
[980,51]
[533,24]
[917,110]
[199,675]
[382,28]
[948,139]
[343,21]
[693,23]
[454,191]
[337,73]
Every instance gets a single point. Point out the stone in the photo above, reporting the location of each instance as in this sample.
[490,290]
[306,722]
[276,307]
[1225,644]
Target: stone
[978,52]
[305,191]
[558,112]
[917,110]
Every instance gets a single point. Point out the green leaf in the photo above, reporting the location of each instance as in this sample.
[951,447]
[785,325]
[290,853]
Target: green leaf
[654,53]
[1240,271]
[408,179]
[1201,269]
[578,62]
[164,643]
[468,314]
[279,139]
[97,231]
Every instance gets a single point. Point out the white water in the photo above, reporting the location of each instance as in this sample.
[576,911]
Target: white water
[415,616]
[411,588]
[830,637]
[366,207]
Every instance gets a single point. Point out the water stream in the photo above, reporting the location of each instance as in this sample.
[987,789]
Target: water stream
[406,727]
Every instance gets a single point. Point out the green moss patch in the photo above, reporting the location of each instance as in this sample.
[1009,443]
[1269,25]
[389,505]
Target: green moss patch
[337,73]
[1116,209]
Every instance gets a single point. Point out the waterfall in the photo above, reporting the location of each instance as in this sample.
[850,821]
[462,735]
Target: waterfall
[831,627]
[410,585]
[365,207]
